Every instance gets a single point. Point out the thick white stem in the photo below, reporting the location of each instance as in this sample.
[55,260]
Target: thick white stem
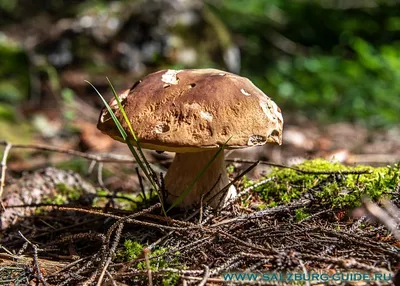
[183,171]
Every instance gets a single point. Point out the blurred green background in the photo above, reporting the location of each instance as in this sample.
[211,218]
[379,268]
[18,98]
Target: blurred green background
[326,60]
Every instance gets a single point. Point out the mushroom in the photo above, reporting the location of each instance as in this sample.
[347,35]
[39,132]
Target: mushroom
[193,113]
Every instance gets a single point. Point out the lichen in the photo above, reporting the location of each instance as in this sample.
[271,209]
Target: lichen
[335,190]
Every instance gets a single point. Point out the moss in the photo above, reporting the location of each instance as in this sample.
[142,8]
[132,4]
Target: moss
[230,169]
[133,249]
[63,195]
[130,203]
[57,200]
[333,190]
[171,279]
[300,214]
[70,193]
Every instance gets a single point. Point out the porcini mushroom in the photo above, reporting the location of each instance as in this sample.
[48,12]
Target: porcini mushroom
[193,113]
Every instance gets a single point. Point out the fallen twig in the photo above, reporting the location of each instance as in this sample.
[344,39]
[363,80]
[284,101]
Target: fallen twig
[206,276]
[382,216]
[111,252]
[3,166]
[35,260]
[146,256]
[109,158]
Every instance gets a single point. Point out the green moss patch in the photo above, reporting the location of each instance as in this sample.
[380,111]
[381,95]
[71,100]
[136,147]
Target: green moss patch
[133,250]
[335,188]
[64,194]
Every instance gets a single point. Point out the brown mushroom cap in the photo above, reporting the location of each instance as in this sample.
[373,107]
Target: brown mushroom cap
[195,110]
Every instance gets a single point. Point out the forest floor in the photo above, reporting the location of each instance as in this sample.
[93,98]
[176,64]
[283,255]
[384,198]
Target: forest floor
[76,212]
[87,220]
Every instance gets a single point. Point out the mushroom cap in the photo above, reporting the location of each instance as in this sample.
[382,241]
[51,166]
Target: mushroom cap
[195,110]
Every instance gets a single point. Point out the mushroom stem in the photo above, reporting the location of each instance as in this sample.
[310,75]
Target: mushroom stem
[185,168]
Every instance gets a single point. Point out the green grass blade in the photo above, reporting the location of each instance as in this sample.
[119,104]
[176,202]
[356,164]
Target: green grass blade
[122,132]
[114,118]
[124,135]
[199,175]
[121,108]
[118,124]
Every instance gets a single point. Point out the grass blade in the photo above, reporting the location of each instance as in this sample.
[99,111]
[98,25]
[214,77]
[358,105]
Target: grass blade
[199,175]
[119,126]
[121,108]
[111,112]
[124,135]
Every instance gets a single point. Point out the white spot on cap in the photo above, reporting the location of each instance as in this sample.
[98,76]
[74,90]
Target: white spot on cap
[170,77]
[206,115]
[244,92]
